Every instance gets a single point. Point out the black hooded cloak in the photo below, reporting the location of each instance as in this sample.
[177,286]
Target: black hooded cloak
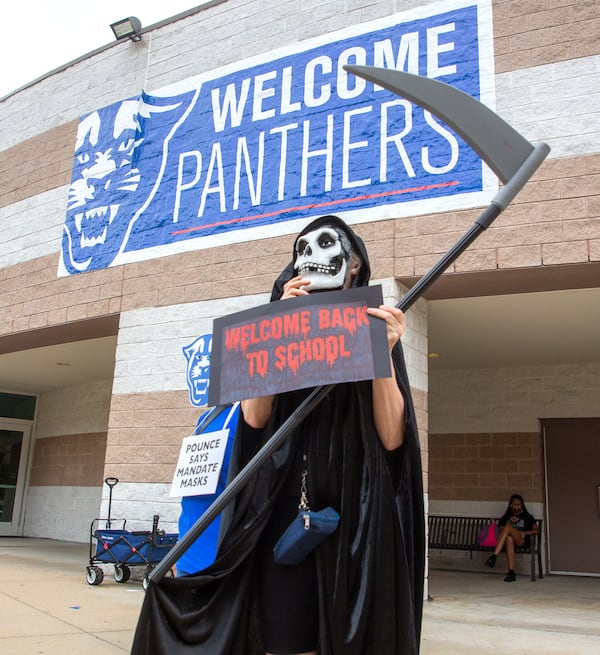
[370,571]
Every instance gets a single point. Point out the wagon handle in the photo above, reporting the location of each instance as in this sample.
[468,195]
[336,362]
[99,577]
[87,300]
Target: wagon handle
[110,482]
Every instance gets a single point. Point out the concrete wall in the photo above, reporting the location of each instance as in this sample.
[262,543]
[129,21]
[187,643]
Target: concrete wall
[67,465]
[512,399]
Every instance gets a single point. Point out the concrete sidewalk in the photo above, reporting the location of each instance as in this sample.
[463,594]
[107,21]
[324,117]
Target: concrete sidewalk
[46,607]
[474,613]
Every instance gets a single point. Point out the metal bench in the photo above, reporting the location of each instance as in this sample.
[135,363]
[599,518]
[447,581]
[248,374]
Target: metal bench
[460,533]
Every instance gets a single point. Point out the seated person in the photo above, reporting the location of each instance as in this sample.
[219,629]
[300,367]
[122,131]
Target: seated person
[514,528]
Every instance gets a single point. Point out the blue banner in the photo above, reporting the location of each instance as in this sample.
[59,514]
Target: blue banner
[291,137]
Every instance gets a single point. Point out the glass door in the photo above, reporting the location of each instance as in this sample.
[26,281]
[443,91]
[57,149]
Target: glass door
[14,451]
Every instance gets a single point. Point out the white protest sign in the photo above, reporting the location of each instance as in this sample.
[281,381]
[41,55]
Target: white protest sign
[199,464]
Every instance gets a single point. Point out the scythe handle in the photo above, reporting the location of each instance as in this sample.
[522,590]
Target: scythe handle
[488,215]
[498,204]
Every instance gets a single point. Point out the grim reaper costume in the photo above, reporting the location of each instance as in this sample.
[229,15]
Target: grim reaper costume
[369,573]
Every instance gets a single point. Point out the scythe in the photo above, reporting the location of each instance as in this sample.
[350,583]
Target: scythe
[511,157]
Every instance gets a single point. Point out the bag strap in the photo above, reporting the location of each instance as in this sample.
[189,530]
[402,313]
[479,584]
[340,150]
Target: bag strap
[230,415]
[209,417]
[304,506]
[212,414]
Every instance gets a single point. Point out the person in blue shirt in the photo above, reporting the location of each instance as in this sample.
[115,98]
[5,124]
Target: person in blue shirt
[202,552]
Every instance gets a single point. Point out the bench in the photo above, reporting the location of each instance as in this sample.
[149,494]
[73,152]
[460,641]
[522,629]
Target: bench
[460,533]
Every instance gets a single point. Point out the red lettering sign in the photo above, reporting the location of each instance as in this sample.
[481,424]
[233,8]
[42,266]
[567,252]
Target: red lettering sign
[297,343]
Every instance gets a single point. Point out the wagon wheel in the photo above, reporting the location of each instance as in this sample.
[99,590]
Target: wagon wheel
[122,573]
[94,575]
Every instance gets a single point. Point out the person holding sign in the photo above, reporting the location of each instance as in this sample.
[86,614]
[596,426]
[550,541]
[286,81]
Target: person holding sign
[359,592]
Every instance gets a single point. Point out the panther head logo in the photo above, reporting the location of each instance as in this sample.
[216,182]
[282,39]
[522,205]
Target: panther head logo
[197,355]
[116,171]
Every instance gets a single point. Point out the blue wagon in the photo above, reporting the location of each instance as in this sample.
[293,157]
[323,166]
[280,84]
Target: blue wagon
[124,549]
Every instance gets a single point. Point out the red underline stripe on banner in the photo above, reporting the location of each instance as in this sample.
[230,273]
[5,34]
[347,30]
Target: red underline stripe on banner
[316,205]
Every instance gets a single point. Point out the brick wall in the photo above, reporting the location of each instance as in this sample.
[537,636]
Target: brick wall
[76,410]
[543,31]
[553,222]
[511,400]
[38,164]
[145,433]
[61,512]
[485,466]
[32,297]
[74,460]
[485,440]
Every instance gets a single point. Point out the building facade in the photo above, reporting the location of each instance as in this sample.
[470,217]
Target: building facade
[92,370]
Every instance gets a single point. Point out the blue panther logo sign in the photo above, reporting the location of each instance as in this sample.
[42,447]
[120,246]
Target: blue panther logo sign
[117,171]
[197,355]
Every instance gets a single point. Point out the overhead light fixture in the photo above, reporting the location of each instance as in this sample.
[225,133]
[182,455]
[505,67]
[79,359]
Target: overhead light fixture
[127,27]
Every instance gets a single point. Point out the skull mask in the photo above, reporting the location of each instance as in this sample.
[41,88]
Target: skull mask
[324,257]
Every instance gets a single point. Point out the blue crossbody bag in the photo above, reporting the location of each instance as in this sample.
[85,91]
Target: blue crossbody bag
[306,531]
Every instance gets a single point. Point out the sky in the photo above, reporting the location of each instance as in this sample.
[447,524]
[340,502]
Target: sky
[37,36]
